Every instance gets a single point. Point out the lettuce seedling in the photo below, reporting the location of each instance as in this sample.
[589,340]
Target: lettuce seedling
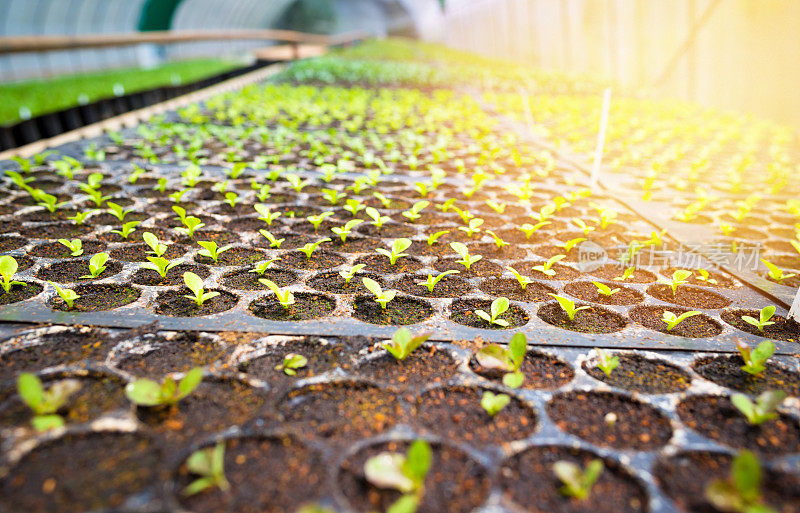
[146,392]
[604,289]
[386,202]
[195,284]
[494,403]
[461,250]
[567,246]
[263,192]
[568,306]
[75,246]
[432,238]
[291,362]
[156,248]
[626,274]
[402,472]
[67,295]
[210,250]
[231,199]
[679,277]
[127,229]
[473,227]
[673,320]
[763,409]
[97,264]
[377,219]
[134,175]
[431,281]
[117,210]
[332,196]
[498,241]
[161,185]
[354,206]
[160,265]
[705,276]
[45,402]
[274,242]
[546,268]
[190,225]
[498,207]
[47,201]
[347,274]
[262,267]
[755,360]
[181,213]
[177,196]
[496,357]
[79,217]
[97,197]
[413,213]
[284,296]
[498,308]
[317,220]
[577,482]
[8,268]
[309,248]
[523,281]
[396,252]
[344,231]
[381,297]
[403,343]
[448,205]
[586,229]
[776,273]
[763,320]
[606,362]
[296,183]
[741,491]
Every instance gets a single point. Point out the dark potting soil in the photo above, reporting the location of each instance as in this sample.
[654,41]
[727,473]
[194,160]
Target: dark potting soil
[12,242]
[139,252]
[509,287]
[783,329]
[490,250]
[390,230]
[638,426]
[355,244]
[178,353]
[723,281]
[480,269]
[449,286]
[542,371]
[236,256]
[71,271]
[19,293]
[588,291]
[306,306]
[399,311]
[528,480]
[113,467]
[98,297]
[58,250]
[462,311]
[695,327]
[267,475]
[611,271]
[380,264]
[56,231]
[645,375]
[455,413]
[593,320]
[24,262]
[691,297]
[715,417]
[425,366]
[727,372]
[174,304]
[455,483]
[174,276]
[334,283]
[320,259]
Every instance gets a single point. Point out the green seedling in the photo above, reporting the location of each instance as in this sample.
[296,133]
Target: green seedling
[577,482]
[210,250]
[447,206]
[498,207]
[317,220]
[740,492]
[403,343]
[606,362]
[344,231]
[195,284]
[529,229]
[776,273]
[377,219]
[295,182]
[161,185]
[523,281]
[127,229]
[431,281]
[604,289]
[434,237]
[209,463]
[381,297]
[567,246]
[466,260]
[47,201]
[134,175]
[291,362]
[626,274]
[274,242]
[45,403]
[97,197]
[75,246]
[705,276]
[402,472]
[673,320]
[755,360]
[262,267]
[586,229]
[97,264]
[67,295]
[79,217]
[284,296]
[494,357]
[190,225]
[763,320]
[494,403]
[181,213]
[547,267]
[354,206]
[263,192]
[309,248]
[568,306]
[177,196]
[473,227]
[332,196]
[763,409]
[386,202]
[231,199]
[117,210]
[8,268]
[413,213]
[156,248]
[498,308]
[148,393]
[679,277]
[348,274]
[160,265]
[498,241]
[396,251]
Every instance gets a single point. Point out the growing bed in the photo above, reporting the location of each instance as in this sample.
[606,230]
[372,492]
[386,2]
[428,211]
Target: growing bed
[434,158]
